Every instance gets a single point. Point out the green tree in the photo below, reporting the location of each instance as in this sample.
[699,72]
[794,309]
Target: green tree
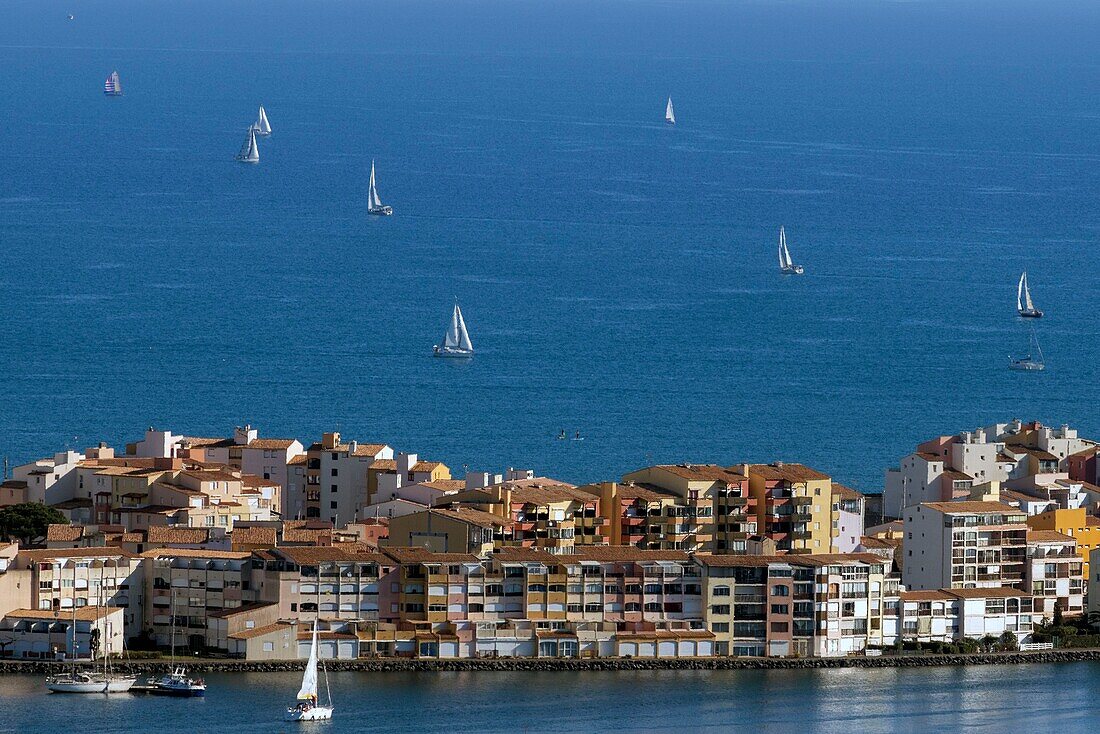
[1008,641]
[28,522]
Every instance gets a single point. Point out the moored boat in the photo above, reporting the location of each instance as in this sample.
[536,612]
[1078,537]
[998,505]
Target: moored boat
[1033,361]
[113,86]
[179,684]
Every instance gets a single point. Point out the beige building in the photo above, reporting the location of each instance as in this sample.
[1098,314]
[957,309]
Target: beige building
[794,506]
[460,530]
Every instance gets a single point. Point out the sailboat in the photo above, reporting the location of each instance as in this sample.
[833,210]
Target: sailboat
[307,708]
[1024,306]
[374,204]
[75,681]
[456,342]
[670,116]
[177,683]
[112,87]
[1031,362]
[250,153]
[786,266]
[262,126]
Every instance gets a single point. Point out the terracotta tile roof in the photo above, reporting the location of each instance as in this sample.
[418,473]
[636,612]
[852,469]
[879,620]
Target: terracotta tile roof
[109,551]
[1049,536]
[426,466]
[929,595]
[83,614]
[383,465]
[445,485]
[307,531]
[729,561]
[644,492]
[968,508]
[423,555]
[524,555]
[787,472]
[868,542]
[261,631]
[703,472]
[999,592]
[313,555]
[167,534]
[196,553]
[299,459]
[1087,453]
[834,559]
[955,475]
[212,475]
[624,553]
[242,609]
[930,456]
[479,518]
[263,536]
[254,480]
[846,493]
[277,444]
[367,449]
[203,442]
[57,533]
[549,494]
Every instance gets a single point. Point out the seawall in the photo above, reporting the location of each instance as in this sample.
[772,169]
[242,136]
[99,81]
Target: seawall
[147,667]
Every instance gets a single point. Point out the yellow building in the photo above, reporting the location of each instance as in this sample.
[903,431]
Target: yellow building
[793,506]
[1078,524]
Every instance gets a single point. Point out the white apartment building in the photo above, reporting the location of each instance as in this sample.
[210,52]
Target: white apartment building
[50,480]
[1054,573]
[337,477]
[949,615]
[964,545]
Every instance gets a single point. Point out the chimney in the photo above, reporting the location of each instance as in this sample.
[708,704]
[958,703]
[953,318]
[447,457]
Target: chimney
[353,446]
[330,441]
[242,436]
[745,470]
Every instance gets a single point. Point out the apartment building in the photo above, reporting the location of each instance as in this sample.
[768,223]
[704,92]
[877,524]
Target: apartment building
[449,530]
[824,605]
[794,506]
[1076,523]
[1053,573]
[271,459]
[956,545]
[944,468]
[709,512]
[62,579]
[325,584]
[38,634]
[184,587]
[950,615]
[337,477]
[848,512]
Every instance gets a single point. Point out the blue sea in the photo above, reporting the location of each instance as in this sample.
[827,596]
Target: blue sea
[618,275]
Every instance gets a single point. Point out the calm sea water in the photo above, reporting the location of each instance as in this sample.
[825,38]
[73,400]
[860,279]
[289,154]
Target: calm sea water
[618,275]
[996,699]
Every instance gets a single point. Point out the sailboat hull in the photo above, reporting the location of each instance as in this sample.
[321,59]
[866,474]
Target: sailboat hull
[381,211]
[451,353]
[792,270]
[114,685]
[1033,314]
[317,713]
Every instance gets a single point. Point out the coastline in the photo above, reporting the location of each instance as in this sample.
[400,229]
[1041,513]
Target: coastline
[401,665]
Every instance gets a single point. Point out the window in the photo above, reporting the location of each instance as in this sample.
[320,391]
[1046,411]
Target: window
[333,505]
[633,606]
[721,591]
[780,609]
[720,627]
[720,609]
[781,590]
[779,626]
[269,647]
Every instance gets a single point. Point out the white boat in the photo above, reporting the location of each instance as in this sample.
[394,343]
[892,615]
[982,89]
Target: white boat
[670,116]
[1024,306]
[262,126]
[74,681]
[1031,362]
[250,153]
[113,86]
[177,683]
[307,708]
[456,342]
[374,204]
[786,266]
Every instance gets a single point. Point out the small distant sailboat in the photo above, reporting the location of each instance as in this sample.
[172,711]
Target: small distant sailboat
[670,116]
[1031,362]
[786,266]
[113,86]
[262,126]
[456,342]
[374,204]
[72,17]
[308,709]
[250,152]
[1024,306]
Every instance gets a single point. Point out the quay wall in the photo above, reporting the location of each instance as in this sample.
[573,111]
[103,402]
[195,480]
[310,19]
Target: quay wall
[148,667]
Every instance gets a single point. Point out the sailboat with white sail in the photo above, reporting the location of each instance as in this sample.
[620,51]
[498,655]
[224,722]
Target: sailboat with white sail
[177,683]
[77,681]
[1024,305]
[250,152]
[262,126]
[670,116]
[308,707]
[374,203]
[456,342]
[786,265]
[1033,361]
[113,86]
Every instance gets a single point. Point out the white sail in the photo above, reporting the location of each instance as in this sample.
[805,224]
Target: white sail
[450,339]
[784,253]
[250,152]
[1020,291]
[373,201]
[309,680]
[262,125]
[1027,294]
[463,335]
[670,116]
